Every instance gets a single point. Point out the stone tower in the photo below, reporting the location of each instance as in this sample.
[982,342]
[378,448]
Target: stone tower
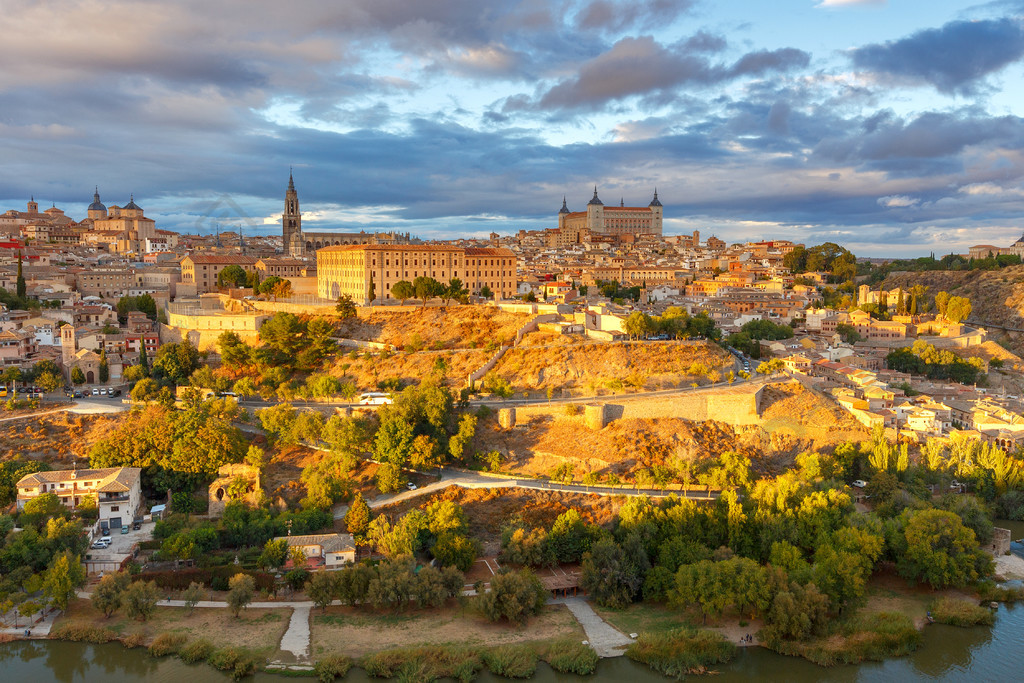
[595,213]
[291,221]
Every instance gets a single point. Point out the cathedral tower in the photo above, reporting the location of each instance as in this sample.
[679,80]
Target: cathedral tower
[291,221]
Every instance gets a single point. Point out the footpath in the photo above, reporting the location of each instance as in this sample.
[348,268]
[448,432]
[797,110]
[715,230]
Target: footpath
[294,649]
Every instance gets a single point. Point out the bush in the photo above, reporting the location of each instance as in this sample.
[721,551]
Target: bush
[133,640]
[167,644]
[571,657]
[331,667]
[682,651]
[960,613]
[511,661]
[195,652]
[237,662]
[214,577]
[572,409]
[872,637]
[81,633]
[424,663]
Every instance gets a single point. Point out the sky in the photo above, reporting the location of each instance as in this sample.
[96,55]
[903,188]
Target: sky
[892,127]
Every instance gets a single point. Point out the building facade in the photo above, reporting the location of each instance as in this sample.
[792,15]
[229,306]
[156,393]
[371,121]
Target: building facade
[202,269]
[351,269]
[599,219]
[116,490]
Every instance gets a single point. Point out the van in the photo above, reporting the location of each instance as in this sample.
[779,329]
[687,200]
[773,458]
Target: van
[375,398]
[3,392]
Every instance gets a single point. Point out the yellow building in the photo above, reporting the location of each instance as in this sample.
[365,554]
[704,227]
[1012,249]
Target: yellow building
[599,219]
[202,269]
[349,269]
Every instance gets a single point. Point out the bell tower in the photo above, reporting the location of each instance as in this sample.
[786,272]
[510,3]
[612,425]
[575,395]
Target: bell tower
[291,221]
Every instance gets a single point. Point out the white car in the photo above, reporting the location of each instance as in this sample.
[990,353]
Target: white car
[860,483]
[101,544]
[375,398]
[411,486]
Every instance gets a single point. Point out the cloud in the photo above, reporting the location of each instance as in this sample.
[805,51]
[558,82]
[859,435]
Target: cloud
[953,59]
[644,67]
[606,15]
[898,201]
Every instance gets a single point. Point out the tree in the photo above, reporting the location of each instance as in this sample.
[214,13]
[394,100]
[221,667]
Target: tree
[453,549]
[357,519]
[275,553]
[232,276]
[770,367]
[109,593]
[46,505]
[848,333]
[958,309]
[241,589]
[65,574]
[607,577]
[144,303]
[941,550]
[143,358]
[20,282]
[371,290]
[104,367]
[193,595]
[320,589]
[77,376]
[454,290]
[283,332]
[486,292]
[427,288]
[140,600]
[514,596]
[403,291]
[346,307]
[638,325]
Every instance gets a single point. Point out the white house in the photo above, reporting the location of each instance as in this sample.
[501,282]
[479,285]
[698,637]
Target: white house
[117,491]
[330,551]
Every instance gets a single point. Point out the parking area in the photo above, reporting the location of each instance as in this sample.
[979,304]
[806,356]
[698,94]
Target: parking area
[121,547]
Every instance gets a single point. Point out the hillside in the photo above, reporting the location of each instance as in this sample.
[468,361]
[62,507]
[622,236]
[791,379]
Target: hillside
[575,364]
[55,439]
[435,327]
[997,296]
[795,420]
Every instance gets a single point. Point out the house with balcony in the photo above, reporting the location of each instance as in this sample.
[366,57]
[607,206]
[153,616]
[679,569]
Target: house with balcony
[116,490]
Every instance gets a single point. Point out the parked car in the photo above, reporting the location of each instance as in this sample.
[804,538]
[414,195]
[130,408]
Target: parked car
[137,524]
[106,531]
[101,543]
[95,391]
[411,486]
[860,483]
[124,529]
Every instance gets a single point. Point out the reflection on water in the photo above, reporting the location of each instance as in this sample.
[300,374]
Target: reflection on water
[947,654]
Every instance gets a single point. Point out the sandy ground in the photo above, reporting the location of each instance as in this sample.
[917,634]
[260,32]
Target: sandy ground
[356,632]
[1010,566]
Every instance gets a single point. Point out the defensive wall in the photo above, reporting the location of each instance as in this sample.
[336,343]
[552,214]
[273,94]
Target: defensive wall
[735,405]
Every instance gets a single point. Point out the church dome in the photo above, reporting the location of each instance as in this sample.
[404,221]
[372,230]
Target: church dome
[564,209]
[595,201]
[97,205]
[655,202]
[131,205]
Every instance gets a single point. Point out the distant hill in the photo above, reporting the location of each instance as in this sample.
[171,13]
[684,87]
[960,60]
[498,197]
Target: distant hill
[997,296]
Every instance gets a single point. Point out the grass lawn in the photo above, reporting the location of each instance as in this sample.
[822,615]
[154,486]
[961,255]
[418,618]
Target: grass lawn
[258,630]
[355,632]
[641,617]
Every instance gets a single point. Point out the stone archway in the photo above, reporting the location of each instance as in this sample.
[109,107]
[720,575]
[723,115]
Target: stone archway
[90,378]
[309,246]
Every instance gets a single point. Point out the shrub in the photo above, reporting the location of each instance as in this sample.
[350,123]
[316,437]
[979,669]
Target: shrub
[872,637]
[960,613]
[237,662]
[133,640]
[331,667]
[572,409]
[682,651]
[511,661]
[81,633]
[167,644]
[571,657]
[424,663]
[196,651]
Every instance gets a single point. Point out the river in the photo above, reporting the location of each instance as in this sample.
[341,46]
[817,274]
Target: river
[947,653]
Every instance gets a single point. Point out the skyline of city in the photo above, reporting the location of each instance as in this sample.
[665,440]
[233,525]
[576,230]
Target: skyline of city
[864,123]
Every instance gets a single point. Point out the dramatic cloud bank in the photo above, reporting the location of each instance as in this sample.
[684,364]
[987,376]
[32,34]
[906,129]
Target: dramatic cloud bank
[892,128]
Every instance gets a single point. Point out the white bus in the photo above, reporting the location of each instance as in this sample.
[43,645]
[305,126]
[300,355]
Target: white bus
[375,398]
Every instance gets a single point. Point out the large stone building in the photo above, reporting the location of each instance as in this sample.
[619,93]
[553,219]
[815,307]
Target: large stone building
[297,242]
[202,270]
[599,219]
[349,269]
[120,229]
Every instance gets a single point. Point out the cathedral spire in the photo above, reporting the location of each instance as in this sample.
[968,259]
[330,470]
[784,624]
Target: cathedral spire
[291,181]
